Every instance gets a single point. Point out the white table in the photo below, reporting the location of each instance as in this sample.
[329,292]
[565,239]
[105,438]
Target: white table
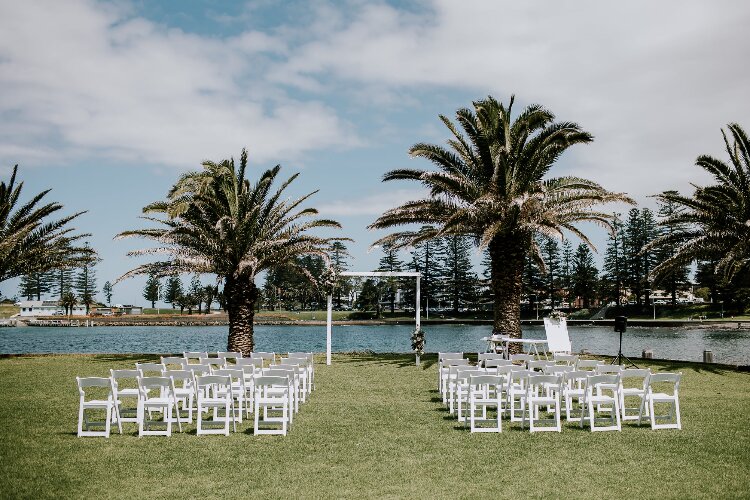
[503,341]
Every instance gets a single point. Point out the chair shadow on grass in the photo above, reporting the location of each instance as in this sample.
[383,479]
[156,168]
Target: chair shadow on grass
[120,358]
[401,360]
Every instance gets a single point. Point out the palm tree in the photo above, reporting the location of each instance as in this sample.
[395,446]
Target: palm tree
[29,241]
[714,223]
[489,186]
[216,221]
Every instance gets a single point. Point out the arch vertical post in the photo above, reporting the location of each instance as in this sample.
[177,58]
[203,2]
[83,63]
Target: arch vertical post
[417,309]
[329,315]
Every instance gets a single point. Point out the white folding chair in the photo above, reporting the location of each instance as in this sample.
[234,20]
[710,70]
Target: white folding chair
[310,366]
[212,397]
[446,378]
[184,393]
[238,390]
[633,383]
[271,396]
[664,383]
[301,366]
[86,403]
[574,392]
[124,388]
[543,391]
[251,367]
[293,375]
[516,392]
[462,388]
[485,393]
[442,356]
[147,403]
[539,365]
[603,390]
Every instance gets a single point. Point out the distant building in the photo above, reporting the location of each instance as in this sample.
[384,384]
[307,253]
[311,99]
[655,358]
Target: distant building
[47,308]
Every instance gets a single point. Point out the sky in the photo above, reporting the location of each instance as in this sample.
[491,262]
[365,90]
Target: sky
[107,103]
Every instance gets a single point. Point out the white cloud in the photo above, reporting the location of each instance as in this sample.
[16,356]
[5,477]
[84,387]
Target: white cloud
[653,81]
[82,79]
[372,205]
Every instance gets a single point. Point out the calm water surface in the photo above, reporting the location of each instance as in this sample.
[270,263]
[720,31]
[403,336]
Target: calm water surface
[728,346]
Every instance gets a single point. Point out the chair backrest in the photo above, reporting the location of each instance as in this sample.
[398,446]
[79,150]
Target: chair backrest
[587,364]
[521,358]
[256,363]
[204,381]
[277,371]
[169,361]
[663,380]
[86,382]
[464,372]
[609,379]
[567,359]
[118,375]
[450,355]
[495,362]
[518,376]
[602,369]
[195,357]
[199,370]
[558,369]
[479,380]
[265,356]
[229,355]
[639,376]
[558,339]
[147,369]
[536,381]
[236,376]
[576,379]
[161,383]
[447,363]
[302,355]
[271,381]
[484,356]
[538,365]
[184,376]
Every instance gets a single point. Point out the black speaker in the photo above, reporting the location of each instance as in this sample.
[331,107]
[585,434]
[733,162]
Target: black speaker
[621,324]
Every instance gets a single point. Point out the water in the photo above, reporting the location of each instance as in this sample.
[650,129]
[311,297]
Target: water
[728,346]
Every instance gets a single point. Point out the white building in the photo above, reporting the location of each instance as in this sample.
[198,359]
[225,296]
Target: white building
[47,308]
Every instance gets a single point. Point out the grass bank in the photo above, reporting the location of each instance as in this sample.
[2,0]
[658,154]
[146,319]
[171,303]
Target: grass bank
[373,428]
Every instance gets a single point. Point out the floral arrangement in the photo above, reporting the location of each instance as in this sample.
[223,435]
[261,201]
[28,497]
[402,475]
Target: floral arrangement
[557,315]
[418,341]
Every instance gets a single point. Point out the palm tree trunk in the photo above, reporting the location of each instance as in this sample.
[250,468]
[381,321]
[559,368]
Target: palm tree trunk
[507,257]
[241,296]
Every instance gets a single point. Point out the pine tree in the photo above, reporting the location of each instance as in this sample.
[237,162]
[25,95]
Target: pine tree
[456,272]
[584,275]
[633,263]
[151,290]
[551,255]
[649,256]
[614,265]
[107,290]
[339,255]
[196,292]
[566,270]
[676,277]
[34,285]
[390,262]
[369,297]
[85,282]
[173,290]
[423,260]
[61,281]
[532,281]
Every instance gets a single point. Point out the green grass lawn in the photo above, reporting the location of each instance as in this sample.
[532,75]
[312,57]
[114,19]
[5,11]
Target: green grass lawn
[8,310]
[374,427]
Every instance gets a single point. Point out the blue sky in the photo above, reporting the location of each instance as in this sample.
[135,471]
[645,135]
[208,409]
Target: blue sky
[108,102]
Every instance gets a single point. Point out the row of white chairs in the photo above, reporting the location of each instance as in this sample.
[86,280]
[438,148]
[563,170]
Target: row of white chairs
[175,388]
[587,388]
